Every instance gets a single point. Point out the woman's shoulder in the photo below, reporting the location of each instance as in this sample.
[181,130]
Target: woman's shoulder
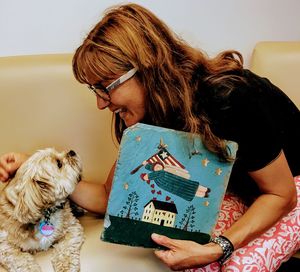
[260,90]
[243,92]
[232,83]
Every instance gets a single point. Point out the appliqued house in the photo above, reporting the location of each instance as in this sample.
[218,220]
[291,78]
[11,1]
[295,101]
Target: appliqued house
[160,213]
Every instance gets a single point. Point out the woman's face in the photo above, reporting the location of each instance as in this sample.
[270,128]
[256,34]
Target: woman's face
[127,100]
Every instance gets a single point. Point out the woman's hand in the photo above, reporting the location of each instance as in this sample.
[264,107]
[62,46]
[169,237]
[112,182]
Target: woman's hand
[182,254]
[9,163]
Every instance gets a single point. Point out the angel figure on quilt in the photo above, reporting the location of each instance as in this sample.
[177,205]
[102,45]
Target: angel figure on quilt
[175,181]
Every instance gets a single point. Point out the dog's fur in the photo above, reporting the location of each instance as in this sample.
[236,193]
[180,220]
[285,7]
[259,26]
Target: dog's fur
[41,184]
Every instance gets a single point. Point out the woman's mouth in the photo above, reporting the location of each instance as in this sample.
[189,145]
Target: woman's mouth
[121,112]
[127,116]
[117,110]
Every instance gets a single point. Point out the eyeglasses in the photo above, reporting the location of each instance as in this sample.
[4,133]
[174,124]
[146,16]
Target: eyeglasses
[103,92]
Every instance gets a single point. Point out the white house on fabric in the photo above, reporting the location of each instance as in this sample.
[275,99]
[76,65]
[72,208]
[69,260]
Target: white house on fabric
[160,213]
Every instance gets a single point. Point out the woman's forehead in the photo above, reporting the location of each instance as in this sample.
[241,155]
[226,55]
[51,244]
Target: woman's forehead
[95,65]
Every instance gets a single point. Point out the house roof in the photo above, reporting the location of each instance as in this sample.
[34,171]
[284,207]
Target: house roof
[165,206]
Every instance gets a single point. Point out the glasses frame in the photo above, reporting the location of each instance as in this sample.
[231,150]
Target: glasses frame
[103,92]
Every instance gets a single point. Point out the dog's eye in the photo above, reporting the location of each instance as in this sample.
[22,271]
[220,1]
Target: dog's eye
[59,164]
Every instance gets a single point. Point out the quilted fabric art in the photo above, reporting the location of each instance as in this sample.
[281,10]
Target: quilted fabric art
[165,182]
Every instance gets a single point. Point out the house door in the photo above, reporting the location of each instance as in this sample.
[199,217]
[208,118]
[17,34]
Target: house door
[162,222]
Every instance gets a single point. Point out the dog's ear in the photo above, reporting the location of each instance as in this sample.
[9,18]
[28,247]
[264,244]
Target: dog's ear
[12,191]
[29,204]
[36,195]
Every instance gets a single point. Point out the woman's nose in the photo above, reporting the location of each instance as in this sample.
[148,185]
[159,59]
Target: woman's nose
[101,103]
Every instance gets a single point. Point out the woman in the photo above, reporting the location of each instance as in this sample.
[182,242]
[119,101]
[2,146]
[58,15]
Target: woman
[142,72]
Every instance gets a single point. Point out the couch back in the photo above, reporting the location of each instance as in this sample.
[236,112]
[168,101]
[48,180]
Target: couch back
[280,62]
[42,105]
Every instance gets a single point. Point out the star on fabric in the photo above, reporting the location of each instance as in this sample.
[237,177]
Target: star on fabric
[164,155]
[205,162]
[126,186]
[206,203]
[218,171]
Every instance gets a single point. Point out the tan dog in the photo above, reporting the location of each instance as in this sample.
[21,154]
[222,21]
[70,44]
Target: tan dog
[35,213]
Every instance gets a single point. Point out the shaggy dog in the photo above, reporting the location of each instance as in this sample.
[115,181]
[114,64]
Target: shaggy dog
[35,213]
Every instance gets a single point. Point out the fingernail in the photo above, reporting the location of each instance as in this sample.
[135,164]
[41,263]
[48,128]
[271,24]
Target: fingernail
[154,235]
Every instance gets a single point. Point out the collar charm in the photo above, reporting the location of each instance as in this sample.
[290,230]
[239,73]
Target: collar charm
[46,228]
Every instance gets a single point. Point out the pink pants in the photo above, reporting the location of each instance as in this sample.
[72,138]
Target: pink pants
[267,252]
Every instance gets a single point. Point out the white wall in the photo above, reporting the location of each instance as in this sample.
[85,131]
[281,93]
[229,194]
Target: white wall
[58,26]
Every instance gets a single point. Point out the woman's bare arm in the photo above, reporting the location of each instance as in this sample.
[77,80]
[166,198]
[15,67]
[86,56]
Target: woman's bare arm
[93,196]
[278,197]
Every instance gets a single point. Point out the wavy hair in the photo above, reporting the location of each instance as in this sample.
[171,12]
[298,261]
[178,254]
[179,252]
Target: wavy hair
[168,68]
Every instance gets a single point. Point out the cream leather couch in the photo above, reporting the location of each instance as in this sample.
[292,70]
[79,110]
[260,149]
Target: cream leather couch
[41,105]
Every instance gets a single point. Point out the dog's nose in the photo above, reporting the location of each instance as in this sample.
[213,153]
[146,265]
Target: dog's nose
[71,153]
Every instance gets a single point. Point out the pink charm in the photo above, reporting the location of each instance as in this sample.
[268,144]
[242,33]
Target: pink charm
[46,228]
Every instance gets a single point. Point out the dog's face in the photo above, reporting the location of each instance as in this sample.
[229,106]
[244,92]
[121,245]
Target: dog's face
[46,179]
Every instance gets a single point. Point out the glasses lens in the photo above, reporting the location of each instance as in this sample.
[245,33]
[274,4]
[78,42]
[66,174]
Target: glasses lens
[100,92]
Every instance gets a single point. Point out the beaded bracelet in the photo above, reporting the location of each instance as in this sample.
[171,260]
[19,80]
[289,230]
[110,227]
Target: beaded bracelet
[226,245]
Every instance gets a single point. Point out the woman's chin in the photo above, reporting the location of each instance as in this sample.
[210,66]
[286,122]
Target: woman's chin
[129,119]
[130,122]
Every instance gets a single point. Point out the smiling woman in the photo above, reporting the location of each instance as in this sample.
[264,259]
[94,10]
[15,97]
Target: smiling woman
[213,97]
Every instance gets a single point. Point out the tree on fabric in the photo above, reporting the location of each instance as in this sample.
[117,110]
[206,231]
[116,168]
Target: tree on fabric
[130,209]
[188,219]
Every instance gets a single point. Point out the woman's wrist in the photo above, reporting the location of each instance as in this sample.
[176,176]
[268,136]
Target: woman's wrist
[215,251]
[226,246]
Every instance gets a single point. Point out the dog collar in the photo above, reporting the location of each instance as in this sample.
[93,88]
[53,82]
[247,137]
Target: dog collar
[49,211]
[46,228]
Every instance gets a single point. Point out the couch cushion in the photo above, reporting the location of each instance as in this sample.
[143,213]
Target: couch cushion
[100,256]
[280,62]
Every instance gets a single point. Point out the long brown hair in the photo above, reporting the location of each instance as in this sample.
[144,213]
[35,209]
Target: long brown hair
[131,36]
